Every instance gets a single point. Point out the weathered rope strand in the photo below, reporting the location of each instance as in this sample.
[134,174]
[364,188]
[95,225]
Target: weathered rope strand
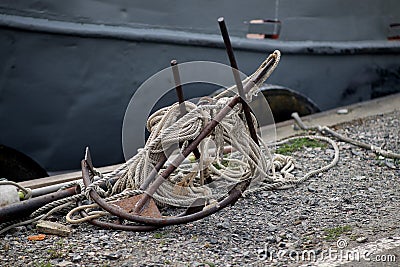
[325,130]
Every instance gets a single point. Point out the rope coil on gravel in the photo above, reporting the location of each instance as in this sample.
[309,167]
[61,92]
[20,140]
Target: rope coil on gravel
[168,129]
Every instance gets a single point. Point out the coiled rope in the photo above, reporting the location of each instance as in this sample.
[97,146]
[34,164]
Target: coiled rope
[168,129]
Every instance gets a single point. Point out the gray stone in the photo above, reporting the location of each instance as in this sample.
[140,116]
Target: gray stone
[311,189]
[362,239]
[270,239]
[112,256]
[65,264]
[76,258]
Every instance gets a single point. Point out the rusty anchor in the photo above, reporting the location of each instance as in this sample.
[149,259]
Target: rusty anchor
[142,209]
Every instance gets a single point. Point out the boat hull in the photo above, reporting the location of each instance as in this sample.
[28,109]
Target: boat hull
[66,85]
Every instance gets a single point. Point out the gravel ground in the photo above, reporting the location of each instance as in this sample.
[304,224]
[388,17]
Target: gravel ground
[357,201]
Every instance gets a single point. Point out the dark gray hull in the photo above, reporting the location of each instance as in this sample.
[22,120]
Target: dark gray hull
[65,82]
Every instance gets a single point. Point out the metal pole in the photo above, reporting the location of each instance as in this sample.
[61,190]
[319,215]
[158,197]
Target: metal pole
[179,93]
[178,86]
[235,70]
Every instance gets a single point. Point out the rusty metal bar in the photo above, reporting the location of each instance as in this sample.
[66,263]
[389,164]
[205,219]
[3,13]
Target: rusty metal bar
[179,93]
[235,70]
[153,172]
[178,86]
[115,226]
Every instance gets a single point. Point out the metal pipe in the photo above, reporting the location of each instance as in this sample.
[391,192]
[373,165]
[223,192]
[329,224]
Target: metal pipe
[25,208]
[48,189]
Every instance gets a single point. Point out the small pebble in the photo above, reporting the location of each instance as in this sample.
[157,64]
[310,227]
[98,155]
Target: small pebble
[297,222]
[113,256]
[362,239]
[76,258]
[65,264]
[311,189]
